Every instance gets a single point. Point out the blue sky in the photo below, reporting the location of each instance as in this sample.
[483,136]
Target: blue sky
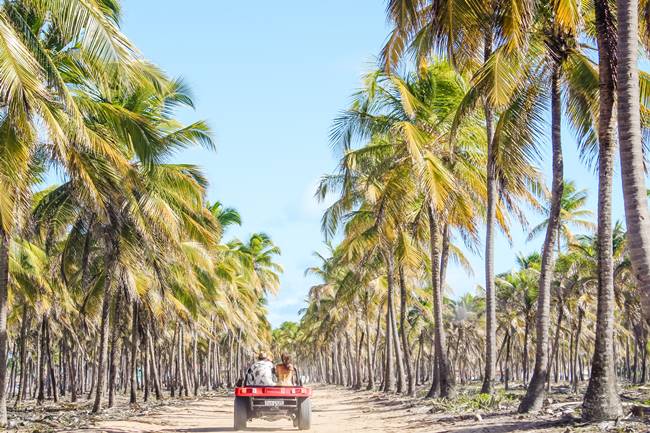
[269,77]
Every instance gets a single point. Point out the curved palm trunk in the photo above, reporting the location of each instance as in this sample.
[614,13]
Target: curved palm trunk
[444,371]
[490,302]
[637,216]
[601,399]
[535,391]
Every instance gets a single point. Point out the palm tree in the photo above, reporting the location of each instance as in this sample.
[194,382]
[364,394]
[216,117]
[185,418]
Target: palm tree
[637,215]
[34,89]
[601,399]
[154,202]
[409,120]
[573,214]
[467,33]
[467,314]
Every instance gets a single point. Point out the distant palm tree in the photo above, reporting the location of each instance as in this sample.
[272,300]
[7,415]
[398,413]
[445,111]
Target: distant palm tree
[227,216]
[573,214]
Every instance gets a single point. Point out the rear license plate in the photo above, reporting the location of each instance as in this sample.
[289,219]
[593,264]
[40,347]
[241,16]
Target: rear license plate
[273,403]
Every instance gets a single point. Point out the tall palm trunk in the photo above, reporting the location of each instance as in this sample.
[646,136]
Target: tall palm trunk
[173,365]
[50,360]
[490,218]
[72,362]
[183,358]
[389,377]
[399,361]
[114,348]
[358,368]
[637,216]
[157,386]
[102,351]
[410,390]
[556,341]
[444,255]
[524,361]
[134,353]
[339,363]
[42,350]
[535,391]
[371,378]
[195,365]
[4,281]
[375,348]
[23,355]
[576,356]
[444,372]
[506,380]
[601,399]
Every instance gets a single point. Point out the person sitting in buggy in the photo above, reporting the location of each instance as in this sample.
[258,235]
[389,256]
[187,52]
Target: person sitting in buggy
[286,372]
[261,373]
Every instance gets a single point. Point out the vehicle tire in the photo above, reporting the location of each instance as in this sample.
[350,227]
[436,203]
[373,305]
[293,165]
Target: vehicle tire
[304,414]
[241,413]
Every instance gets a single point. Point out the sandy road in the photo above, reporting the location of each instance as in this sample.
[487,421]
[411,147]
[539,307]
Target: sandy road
[334,411]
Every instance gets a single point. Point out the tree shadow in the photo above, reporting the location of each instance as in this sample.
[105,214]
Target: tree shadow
[504,427]
[224,429]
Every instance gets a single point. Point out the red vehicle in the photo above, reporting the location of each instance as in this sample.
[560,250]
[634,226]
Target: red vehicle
[273,403]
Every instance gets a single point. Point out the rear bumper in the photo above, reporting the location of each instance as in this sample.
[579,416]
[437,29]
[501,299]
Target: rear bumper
[273,391]
[277,405]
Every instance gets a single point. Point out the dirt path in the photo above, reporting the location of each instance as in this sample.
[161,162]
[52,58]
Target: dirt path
[334,411]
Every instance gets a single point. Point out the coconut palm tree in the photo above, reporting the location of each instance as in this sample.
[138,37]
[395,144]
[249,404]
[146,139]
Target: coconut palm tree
[637,215]
[601,399]
[33,88]
[467,33]
[407,117]
[573,214]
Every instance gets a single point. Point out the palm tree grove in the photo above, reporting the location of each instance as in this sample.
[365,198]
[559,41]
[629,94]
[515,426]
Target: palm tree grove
[466,274]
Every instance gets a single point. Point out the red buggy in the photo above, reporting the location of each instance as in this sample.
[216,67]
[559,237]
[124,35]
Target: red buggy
[273,403]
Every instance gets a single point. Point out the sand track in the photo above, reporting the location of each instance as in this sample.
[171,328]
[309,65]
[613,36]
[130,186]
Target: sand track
[335,410]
